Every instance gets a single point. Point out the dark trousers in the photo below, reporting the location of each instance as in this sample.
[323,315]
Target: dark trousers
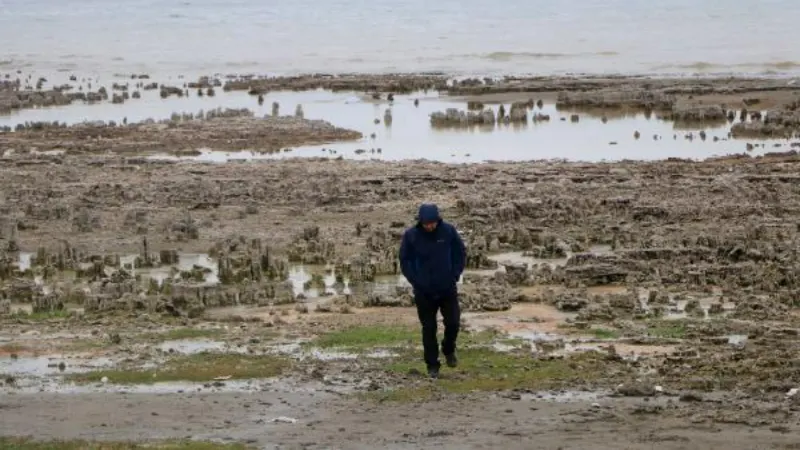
[427,308]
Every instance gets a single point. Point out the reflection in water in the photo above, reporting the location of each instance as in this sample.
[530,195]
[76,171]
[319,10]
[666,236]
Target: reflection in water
[627,351]
[313,281]
[514,258]
[186,262]
[317,281]
[25,261]
[303,281]
[737,339]
[410,135]
[49,365]
[191,346]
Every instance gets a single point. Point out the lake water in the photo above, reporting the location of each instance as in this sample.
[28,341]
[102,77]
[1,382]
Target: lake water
[464,36]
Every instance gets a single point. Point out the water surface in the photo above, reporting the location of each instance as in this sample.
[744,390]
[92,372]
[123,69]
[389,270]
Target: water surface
[411,136]
[464,36]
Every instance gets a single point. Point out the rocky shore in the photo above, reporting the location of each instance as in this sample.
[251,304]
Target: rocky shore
[624,290]
[85,214]
[757,108]
[229,130]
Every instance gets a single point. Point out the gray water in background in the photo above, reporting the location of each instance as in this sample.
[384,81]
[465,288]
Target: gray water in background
[166,37]
[411,136]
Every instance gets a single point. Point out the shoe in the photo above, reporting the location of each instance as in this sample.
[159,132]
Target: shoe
[452,361]
[433,372]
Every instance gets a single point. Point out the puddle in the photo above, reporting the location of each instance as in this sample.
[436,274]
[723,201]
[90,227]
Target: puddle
[678,311]
[302,274]
[627,351]
[186,262]
[21,308]
[529,321]
[535,336]
[609,290]
[514,258]
[500,347]
[27,308]
[601,250]
[297,350]
[246,311]
[25,261]
[539,325]
[565,396]
[330,355]
[192,346]
[302,277]
[737,339]
[28,386]
[40,366]
[35,338]
[411,136]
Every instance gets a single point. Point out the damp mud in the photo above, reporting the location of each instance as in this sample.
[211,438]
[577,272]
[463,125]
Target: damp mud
[268,295]
[357,365]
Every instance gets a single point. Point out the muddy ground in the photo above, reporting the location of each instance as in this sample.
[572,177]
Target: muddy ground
[329,400]
[613,305]
[323,422]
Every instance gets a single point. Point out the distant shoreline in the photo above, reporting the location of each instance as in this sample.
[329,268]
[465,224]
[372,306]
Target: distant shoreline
[8,67]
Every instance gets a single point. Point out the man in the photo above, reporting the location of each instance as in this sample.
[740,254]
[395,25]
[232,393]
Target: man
[432,258]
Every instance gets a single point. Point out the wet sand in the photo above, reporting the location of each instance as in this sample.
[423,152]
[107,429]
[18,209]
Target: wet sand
[324,421]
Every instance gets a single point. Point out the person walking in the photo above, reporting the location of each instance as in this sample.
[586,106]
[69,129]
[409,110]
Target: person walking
[432,258]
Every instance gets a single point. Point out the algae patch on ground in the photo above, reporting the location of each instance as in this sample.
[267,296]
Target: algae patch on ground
[484,370]
[671,329]
[41,316]
[367,338]
[198,367]
[175,334]
[481,366]
[605,333]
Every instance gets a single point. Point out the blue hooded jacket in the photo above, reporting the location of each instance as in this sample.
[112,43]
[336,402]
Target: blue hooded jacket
[432,261]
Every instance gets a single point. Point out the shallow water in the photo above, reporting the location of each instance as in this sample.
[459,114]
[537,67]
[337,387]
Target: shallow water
[193,346]
[24,262]
[38,366]
[533,322]
[627,351]
[330,355]
[299,275]
[513,258]
[565,396]
[56,385]
[737,339]
[186,262]
[469,36]
[411,136]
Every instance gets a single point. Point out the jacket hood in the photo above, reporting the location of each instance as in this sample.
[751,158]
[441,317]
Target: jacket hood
[428,212]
